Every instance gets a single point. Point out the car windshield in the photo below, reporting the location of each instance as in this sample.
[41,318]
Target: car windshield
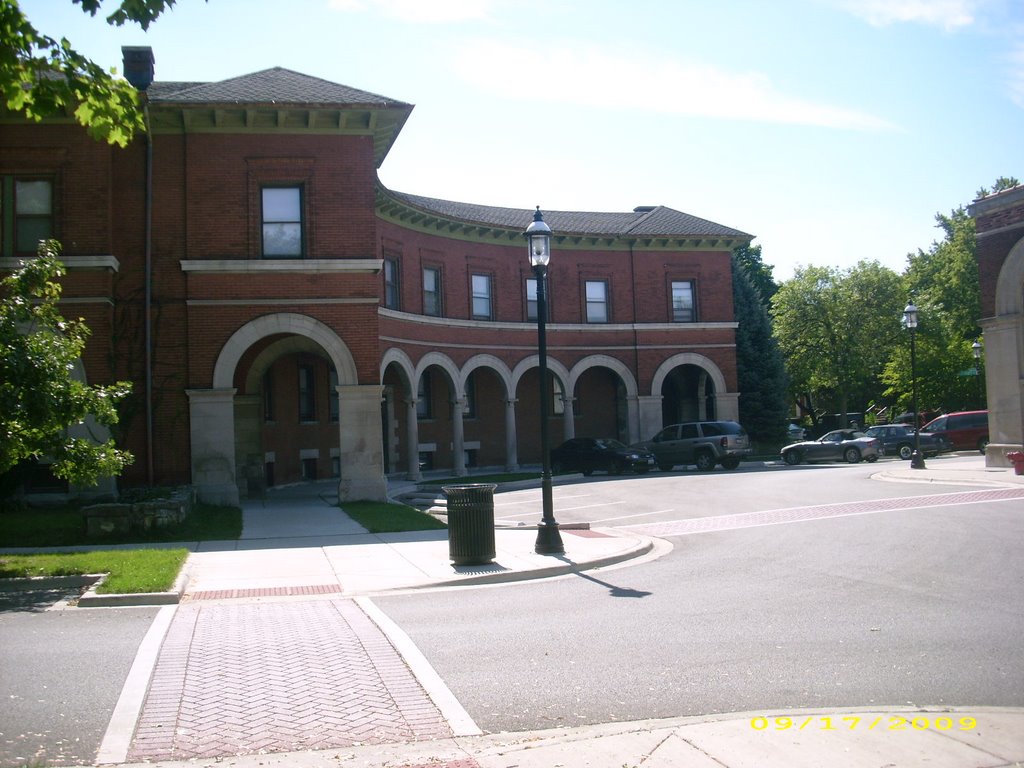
[608,444]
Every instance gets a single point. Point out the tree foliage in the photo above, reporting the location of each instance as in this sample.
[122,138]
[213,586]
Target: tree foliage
[836,329]
[40,397]
[764,386]
[758,273]
[943,282]
[42,76]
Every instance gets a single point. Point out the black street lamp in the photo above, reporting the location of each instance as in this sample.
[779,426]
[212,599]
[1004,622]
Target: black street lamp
[910,321]
[976,349]
[538,236]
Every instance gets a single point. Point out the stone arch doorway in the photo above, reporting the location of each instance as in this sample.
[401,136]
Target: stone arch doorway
[526,386]
[603,399]
[688,387]
[222,428]
[1004,360]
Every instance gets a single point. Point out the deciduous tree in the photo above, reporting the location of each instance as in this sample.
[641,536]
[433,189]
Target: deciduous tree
[41,75]
[40,396]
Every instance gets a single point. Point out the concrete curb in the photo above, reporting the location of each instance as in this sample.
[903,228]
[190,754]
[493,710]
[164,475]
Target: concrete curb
[645,546]
[172,597]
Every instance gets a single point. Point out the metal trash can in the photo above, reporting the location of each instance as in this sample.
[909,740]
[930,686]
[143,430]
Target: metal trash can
[470,523]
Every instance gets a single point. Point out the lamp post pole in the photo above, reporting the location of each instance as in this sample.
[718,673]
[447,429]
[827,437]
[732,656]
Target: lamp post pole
[910,320]
[976,349]
[538,234]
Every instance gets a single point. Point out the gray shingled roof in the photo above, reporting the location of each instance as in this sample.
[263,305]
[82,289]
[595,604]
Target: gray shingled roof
[270,86]
[647,221]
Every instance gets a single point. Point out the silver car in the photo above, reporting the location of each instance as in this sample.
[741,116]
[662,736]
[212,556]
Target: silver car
[838,445]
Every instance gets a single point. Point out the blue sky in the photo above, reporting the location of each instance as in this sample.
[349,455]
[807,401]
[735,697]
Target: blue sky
[832,130]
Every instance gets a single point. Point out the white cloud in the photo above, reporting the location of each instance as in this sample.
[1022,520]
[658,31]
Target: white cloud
[949,14]
[590,76]
[422,11]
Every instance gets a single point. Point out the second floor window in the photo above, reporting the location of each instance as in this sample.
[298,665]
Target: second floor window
[391,293]
[683,309]
[282,222]
[27,204]
[431,291]
[597,301]
[482,297]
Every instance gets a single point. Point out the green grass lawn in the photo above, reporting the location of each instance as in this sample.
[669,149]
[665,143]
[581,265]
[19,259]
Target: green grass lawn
[129,570]
[379,517]
[65,526]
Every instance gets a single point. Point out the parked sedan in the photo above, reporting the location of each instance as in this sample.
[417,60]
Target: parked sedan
[838,445]
[589,454]
[898,440]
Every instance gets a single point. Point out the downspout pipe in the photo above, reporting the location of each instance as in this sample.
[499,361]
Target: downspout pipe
[148,302]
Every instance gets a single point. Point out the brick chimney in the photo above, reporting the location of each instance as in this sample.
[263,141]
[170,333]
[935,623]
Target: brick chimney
[138,65]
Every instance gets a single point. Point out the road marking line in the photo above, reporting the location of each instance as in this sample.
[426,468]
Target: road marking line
[627,517]
[453,712]
[118,738]
[821,512]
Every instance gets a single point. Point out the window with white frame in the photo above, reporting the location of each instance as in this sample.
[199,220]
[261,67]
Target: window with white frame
[26,214]
[432,291]
[392,296]
[482,297]
[597,301]
[683,307]
[282,223]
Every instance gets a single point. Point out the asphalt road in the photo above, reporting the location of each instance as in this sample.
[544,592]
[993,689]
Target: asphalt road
[62,674]
[921,605]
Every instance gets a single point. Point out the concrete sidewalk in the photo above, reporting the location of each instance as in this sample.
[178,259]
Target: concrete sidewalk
[941,737]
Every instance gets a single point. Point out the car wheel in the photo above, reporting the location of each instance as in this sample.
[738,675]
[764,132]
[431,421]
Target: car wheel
[665,467]
[557,468]
[588,472]
[871,459]
[852,455]
[791,457]
[642,470]
[905,451]
[705,461]
[730,463]
[982,444]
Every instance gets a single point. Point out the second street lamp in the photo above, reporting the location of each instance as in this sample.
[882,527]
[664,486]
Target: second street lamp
[538,236]
[910,320]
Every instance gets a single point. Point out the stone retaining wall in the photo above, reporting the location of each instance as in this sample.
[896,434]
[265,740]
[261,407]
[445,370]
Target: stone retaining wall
[121,517]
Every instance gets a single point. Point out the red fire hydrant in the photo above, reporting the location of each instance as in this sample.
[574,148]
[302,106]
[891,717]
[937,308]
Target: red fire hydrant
[1018,462]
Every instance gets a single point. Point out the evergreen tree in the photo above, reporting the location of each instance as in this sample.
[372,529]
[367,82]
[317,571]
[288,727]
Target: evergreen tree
[763,383]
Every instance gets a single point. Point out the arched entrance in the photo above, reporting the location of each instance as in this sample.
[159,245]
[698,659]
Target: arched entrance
[227,437]
[1004,361]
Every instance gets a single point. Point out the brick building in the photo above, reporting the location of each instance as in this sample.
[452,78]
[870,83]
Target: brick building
[999,225]
[283,316]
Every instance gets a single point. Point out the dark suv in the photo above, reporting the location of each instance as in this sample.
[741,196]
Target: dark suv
[704,443]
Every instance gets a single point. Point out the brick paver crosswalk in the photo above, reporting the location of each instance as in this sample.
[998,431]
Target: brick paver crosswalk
[241,678]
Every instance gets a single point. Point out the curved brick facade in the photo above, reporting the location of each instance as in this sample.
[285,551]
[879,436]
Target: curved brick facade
[349,359]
